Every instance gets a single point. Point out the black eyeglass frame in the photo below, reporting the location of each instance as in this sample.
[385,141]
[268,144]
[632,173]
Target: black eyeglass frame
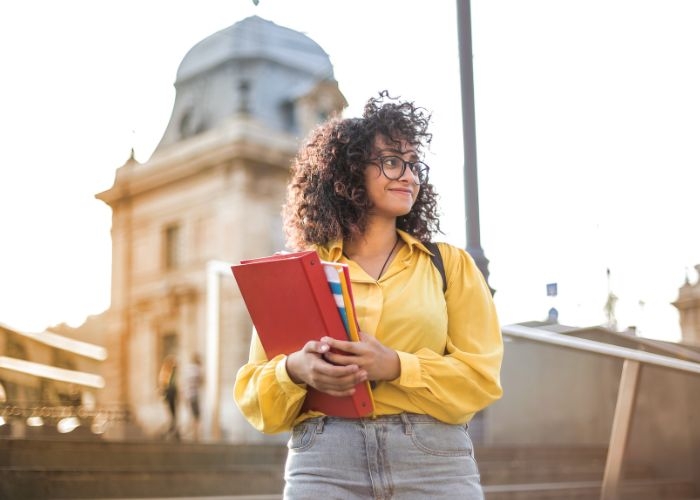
[421,176]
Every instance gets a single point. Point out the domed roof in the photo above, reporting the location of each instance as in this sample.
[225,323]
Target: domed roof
[253,69]
[253,38]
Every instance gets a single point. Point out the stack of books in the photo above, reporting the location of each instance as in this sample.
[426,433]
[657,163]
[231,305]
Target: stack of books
[293,298]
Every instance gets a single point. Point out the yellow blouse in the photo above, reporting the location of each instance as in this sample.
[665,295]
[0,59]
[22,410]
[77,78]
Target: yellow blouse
[449,345]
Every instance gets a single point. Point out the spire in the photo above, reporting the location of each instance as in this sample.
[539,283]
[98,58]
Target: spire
[610,305]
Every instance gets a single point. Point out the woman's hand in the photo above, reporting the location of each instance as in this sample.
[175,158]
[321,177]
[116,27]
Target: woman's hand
[379,361]
[310,367]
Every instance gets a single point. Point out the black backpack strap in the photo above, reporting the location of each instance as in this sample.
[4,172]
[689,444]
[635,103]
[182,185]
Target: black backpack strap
[437,262]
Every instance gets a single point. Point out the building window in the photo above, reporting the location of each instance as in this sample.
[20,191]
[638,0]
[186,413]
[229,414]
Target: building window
[62,359]
[168,344]
[172,247]
[289,119]
[15,348]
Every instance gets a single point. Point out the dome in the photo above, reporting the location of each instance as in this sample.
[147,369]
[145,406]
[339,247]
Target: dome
[254,68]
[256,38]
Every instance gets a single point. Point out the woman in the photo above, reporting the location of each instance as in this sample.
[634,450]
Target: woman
[359,194]
[167,383]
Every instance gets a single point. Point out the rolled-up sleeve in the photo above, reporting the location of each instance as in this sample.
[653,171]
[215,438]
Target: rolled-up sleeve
[465,378]
[264,392]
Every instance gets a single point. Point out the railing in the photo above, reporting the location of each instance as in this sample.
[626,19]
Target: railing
[627,392]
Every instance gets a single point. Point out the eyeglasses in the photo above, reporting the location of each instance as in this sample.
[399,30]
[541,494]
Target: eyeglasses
[393,168]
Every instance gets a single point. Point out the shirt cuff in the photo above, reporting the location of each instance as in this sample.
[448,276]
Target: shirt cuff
[410,370]
[285,380]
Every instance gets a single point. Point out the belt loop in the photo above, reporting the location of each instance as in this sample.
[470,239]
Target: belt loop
[407,425]
[320,424]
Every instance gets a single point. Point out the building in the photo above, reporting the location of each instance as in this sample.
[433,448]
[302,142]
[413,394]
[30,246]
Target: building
[688,305]
[211,193]
[46,378]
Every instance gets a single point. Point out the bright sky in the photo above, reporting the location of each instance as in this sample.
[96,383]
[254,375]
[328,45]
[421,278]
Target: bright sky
[588,125]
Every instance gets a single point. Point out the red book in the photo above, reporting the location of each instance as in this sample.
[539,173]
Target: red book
[290,302]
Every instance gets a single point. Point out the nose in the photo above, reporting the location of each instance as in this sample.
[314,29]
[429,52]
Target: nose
[407,170]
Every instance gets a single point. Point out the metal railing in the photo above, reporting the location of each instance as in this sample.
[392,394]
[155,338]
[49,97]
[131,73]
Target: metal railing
[627,392]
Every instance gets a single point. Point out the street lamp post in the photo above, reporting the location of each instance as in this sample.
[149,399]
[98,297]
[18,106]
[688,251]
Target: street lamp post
[471,188]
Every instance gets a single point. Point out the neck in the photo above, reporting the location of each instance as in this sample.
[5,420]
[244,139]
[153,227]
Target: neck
[374,250]
[377,239]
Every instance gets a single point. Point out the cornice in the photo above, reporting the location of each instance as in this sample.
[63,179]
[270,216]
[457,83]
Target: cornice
[238,138]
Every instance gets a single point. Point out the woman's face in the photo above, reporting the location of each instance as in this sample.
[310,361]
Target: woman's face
[391,198]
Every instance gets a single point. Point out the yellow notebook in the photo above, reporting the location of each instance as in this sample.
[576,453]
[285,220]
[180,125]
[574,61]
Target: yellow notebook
[353,327]
[347,307]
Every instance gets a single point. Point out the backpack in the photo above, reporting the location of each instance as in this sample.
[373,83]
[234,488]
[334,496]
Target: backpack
[437,262]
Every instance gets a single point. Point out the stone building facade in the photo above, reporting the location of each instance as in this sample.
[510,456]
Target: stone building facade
[47,378]
[211,192]
[688,305]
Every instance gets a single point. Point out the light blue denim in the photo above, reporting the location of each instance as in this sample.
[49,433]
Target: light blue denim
[400,457]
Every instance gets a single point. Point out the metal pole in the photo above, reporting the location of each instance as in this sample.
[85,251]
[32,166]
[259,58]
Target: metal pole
[471,187]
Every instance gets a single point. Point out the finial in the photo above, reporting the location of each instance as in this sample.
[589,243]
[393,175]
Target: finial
[610,304]
[132,154]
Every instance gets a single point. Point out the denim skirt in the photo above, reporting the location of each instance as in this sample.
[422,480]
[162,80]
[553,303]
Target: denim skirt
[401,457]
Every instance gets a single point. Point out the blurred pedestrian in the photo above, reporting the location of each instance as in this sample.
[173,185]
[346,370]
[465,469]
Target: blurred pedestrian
[167,384]
[193,381]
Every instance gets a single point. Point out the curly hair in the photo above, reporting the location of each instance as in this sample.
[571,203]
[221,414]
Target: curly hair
[326,196]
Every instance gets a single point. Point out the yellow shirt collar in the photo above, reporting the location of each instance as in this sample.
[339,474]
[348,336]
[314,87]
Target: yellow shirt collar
[333,252]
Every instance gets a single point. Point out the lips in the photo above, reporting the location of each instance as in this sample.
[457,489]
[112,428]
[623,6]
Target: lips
[402,191]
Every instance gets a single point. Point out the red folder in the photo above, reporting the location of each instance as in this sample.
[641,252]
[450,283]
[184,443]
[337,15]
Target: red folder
[290,302]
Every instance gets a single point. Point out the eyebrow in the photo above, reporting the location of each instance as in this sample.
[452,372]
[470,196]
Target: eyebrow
[397,152]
